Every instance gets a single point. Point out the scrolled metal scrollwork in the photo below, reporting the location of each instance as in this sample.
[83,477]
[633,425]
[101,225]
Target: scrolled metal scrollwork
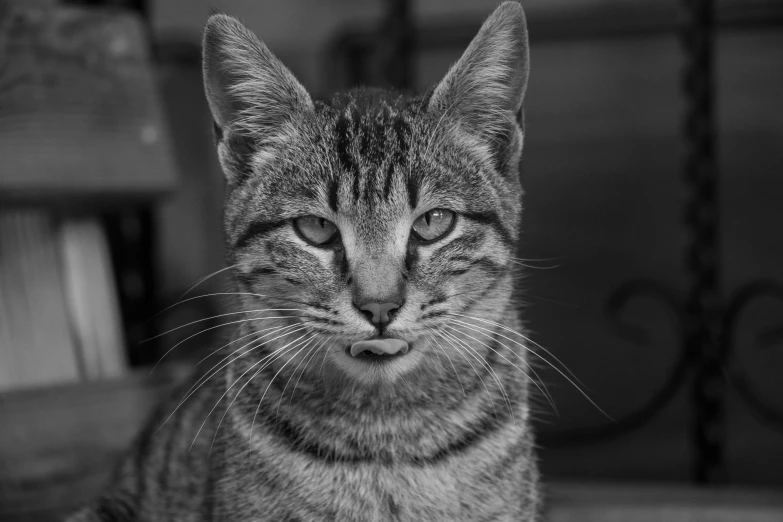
[706,323]
[762,410]
[617,302]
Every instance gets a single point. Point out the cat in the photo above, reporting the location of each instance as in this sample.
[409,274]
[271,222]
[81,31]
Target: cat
[377,372]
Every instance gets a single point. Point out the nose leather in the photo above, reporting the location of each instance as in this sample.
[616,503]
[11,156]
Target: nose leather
[379,313]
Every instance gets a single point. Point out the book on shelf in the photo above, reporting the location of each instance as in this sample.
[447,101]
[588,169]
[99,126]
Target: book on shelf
[59,315]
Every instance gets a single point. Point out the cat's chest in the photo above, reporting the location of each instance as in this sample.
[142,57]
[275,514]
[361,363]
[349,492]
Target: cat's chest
[367,494]
[482,483]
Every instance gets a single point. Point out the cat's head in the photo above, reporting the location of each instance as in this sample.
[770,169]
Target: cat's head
[378,222]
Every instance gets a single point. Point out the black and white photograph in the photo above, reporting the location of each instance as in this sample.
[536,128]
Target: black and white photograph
[391,261]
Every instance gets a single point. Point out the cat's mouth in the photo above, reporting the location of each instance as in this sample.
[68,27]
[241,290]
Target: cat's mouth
[378,350]
[379,360]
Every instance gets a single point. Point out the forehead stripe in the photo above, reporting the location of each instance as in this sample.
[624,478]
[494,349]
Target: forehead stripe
[387,184]
[401,131]
[343,144]
[333,186]
[413,191]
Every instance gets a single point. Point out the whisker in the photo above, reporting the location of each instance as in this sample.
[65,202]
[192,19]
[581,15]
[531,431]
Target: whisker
[213,274]
[520,263]
[224,315]
[206,330]
[213,294]
[506,328]
[452,364]
[322,364]
[535,381]
[323,343]
[282,394]
[261,400]
[210,373]
[487,365]
[472,351]
[218,350]
[558,370]
[272,358]
[492,400]
[432,350]
[538,260]
[213,328]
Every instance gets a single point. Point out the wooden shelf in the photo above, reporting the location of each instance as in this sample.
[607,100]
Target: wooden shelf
[80,113]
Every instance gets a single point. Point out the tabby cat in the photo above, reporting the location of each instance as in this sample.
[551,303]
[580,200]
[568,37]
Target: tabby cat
[376,372]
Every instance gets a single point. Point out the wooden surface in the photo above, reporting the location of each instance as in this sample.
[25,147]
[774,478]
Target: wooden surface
[58,447]
[80,115]
[585,502]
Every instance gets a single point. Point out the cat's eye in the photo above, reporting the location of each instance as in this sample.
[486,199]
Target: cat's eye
[432,225]
[316,230]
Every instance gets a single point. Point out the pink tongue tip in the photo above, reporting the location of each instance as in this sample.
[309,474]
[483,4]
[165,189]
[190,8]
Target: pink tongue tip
[380,347]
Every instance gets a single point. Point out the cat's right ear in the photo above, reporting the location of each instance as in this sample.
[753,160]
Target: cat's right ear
[251,94]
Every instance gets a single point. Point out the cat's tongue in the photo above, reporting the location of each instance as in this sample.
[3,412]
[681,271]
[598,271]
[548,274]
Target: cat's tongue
[380,347]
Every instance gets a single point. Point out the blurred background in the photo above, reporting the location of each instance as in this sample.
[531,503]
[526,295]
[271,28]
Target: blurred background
[655,257]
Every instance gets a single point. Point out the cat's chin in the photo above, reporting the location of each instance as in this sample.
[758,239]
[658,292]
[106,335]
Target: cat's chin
[373,368]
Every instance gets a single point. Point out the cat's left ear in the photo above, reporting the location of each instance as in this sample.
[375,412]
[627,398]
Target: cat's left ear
[485,89]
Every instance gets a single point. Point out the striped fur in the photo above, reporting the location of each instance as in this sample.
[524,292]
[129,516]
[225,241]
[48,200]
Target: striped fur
[292,427]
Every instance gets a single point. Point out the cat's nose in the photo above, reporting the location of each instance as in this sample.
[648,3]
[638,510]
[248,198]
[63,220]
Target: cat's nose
[379,314]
